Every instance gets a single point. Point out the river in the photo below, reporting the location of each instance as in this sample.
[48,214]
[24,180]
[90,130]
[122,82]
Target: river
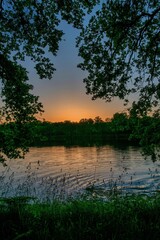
[60,172]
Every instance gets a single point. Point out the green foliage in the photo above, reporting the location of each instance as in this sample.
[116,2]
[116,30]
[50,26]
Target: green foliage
[20,104]
[120,51]
[121,129]
[120,123]
[147,131]
[85,133]
[15,140]
[121,218]
[29,29]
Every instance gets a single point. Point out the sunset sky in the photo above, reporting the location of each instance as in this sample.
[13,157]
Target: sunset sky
[64,96]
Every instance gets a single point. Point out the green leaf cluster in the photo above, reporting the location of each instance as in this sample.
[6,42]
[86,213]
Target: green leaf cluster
[29,28]
[120,48]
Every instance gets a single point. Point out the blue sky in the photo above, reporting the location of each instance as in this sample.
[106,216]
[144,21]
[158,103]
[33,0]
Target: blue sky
[64,96]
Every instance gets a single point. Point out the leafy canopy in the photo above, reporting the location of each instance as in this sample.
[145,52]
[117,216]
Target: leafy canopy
[29,28]
[120,48]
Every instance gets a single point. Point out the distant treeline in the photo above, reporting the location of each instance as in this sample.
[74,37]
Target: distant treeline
[120,129]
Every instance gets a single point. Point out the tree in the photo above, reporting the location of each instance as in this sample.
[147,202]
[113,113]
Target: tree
[120,48]
[20,108]
[146,131]
[98,119]
[29,28]
[120,122]
[86,121]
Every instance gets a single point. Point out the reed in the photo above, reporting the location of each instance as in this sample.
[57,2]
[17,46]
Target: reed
[64,186]
[99,213]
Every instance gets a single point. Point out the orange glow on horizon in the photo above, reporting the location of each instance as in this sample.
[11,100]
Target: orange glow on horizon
[78,108]
[71,115]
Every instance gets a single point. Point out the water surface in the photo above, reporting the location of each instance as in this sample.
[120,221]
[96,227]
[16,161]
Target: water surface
[50,172]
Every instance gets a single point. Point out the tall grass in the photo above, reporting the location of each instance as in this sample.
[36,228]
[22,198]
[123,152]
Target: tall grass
[65,186]
[86,217]
[133,218]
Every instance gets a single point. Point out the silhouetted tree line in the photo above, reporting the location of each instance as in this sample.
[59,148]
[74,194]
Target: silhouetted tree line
[122,128]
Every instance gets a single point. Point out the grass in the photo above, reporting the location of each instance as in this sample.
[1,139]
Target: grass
[133,218]
[96,214]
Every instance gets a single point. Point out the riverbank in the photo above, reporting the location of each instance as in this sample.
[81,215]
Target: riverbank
[134,217]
